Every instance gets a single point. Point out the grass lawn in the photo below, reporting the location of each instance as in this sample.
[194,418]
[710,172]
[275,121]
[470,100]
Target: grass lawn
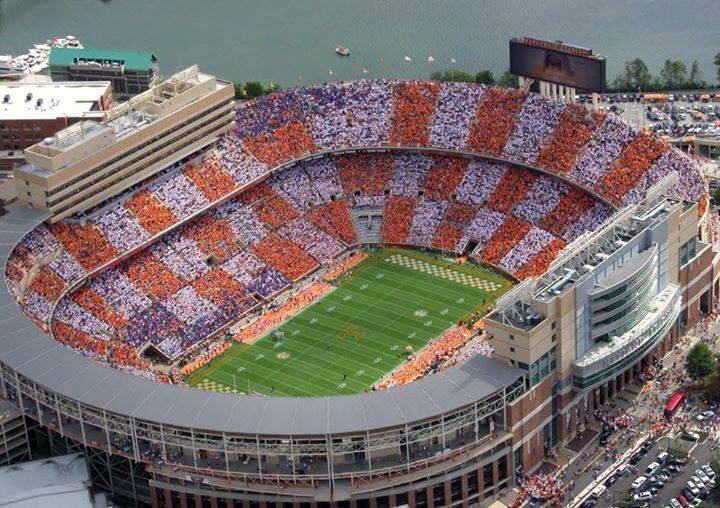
[357,333]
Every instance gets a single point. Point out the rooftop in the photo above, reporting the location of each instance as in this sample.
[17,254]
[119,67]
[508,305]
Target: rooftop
[60,481]
[131,60]
[121,120]
[37,101]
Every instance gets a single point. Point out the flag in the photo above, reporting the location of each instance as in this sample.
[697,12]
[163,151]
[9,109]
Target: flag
[408,59]
[431,59]
[330,72]
[452,60]
[365,70]
[301,77]
[382,61]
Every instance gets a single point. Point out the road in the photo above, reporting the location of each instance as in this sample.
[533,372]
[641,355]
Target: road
[640,406]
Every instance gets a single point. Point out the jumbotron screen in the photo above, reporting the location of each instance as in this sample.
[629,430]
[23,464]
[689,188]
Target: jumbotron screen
[558,63]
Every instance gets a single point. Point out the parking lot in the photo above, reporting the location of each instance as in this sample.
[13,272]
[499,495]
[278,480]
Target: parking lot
[670,114]
[664,480]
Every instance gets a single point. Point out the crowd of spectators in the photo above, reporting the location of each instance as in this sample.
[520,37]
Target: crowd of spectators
[432,356]
[279,230]
[536,123]
[413,108]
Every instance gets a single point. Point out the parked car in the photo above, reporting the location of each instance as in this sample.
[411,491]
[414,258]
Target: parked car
[691,436]
[654,466]
[687,494]
[638,483]
[645,496]
[708,470]
[701,474]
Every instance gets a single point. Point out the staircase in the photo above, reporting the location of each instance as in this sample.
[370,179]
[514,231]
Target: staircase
[367,221]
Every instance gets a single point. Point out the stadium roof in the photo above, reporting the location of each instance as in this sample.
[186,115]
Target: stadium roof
[37,356]
[132,60]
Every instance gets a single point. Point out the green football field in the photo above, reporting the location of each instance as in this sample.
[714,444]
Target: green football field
[357,333]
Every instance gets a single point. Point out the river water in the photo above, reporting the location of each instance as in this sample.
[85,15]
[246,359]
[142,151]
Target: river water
[292,41]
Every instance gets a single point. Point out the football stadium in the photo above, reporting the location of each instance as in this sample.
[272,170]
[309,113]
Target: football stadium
[355,294]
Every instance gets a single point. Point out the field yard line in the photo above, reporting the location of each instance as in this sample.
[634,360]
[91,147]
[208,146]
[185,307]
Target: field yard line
[430,301]
[374,350]
[371,307]
[400,282]
[264,378]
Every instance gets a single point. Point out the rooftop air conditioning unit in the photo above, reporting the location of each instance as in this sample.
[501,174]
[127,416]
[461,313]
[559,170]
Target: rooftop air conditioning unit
[28,97]
[6,99]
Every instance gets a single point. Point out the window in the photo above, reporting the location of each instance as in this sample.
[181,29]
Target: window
[554,337]
[552,325]
[512,349]
[512,337]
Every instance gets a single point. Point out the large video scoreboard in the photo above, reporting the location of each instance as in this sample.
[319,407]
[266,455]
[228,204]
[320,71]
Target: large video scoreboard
[555,62]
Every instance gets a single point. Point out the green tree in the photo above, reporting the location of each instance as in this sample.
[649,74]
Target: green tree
[696,76]
[699,362]
[674,75]
[485,77]
[508,79]
[238,90]
[453,75]
[636,75]
[716,194]
[711,386]
[717,64]
[254,89]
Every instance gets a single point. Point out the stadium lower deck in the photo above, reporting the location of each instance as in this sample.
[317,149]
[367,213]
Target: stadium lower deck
[353,336]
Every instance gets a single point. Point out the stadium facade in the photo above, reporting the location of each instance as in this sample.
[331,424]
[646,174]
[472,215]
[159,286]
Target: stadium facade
[566,339]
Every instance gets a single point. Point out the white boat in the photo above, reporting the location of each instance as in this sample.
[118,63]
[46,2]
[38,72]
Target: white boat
[342,50]
[36,59]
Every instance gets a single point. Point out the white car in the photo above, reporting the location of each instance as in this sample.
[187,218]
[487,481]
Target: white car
[708,471]
[693,488]
[675,503]
[705,415]
[639,482]
[654,466]
[701,474]
[695,502]
[643,496]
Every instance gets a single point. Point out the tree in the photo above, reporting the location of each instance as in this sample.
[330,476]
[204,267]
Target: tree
[238,90]
[674,75]
[699,362]
[634,76]
[696,76]
[485,77]
[717,64]
[453,75]
[508,79]
[711,386]
[716,194]
[254,89]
